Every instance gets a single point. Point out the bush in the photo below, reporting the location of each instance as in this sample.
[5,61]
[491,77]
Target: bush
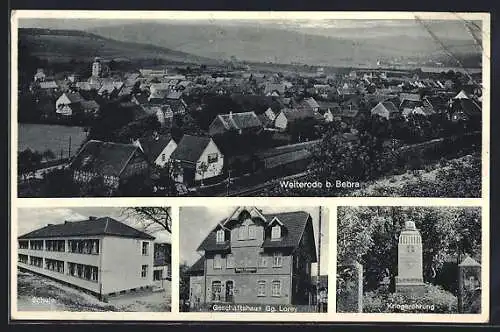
[435,300]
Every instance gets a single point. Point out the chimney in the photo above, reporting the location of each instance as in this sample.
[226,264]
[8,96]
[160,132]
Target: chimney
[92,218]
[48,225]
[66,222]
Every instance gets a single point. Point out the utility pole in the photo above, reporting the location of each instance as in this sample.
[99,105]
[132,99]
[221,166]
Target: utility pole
[228,181]
[69,148]
[319,264]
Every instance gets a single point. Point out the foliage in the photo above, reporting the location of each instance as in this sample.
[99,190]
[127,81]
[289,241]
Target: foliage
[28,162]
[461,178]
[137,185]
[434,300]
[144,126]
[183,281]
[339,157]
[369,235]
[151,218]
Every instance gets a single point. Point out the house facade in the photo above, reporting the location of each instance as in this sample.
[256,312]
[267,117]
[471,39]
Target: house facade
[241,123]
[256,258]
[100,255]
[113,162]
[197,158]
[157,149]
[162,264]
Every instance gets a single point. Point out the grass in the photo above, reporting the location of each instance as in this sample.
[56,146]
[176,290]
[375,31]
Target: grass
[36,293]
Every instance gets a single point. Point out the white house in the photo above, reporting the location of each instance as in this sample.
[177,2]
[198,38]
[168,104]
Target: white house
[67,103]
[198,158]
[385,110]
[289,115]
[100,255]
[157,149]
[40,75]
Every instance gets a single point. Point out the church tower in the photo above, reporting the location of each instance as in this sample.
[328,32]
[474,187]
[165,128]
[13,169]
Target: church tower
[410,267]
[96,67]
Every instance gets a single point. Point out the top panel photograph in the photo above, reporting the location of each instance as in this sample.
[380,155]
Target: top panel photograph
[250,104]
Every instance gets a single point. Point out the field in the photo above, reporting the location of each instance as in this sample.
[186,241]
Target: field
[40,137]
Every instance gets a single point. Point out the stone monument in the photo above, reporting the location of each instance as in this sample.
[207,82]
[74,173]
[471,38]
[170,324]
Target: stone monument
[410,276]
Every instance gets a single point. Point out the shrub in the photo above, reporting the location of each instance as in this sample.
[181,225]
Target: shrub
[434,300]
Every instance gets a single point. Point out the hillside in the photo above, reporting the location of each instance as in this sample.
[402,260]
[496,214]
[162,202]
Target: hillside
[65,45]
[259,43]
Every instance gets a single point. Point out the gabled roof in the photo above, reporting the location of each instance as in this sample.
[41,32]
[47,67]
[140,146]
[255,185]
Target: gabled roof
[298,114]
[74,97]
[294,223]
[104,158]
[174,95]
[271,87]
[462,95]
[237,121]
[386,105]
[99,226]
[409,96]
[198,267]
[153,146]
[190,148]
[310,102]
[48,85]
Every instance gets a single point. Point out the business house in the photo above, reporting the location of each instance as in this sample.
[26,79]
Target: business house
[253,257]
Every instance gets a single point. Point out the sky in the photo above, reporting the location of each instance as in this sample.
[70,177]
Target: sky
[197,222]
[30,219]
[343,28]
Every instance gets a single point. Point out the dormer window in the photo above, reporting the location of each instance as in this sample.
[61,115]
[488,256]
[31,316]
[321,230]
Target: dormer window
[242,232]
[220,236]
[276,232]
[251,232]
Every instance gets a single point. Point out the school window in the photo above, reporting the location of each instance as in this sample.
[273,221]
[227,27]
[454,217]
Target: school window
[251,232]
[263,261]
[90,247]
[86,272]
[213,158]
[276,232]
[276,288]
[217,262]
[229,261]
[157,275]
[220,236]
[261,288]
[242,232]
[277,259]
[145,248]
[23,244]
[144,271]
[23,258]
[216,290]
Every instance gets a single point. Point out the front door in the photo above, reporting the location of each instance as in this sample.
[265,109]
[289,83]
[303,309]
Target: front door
[229,291]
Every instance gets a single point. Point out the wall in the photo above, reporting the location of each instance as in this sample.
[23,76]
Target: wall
[216,127]
[196,287]
[281,121]
[167,152]
[214,169]
[246,288]
[87,259]
[121,264]
[89,285]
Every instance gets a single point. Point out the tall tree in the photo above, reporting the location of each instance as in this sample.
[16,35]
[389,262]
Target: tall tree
[152,219]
